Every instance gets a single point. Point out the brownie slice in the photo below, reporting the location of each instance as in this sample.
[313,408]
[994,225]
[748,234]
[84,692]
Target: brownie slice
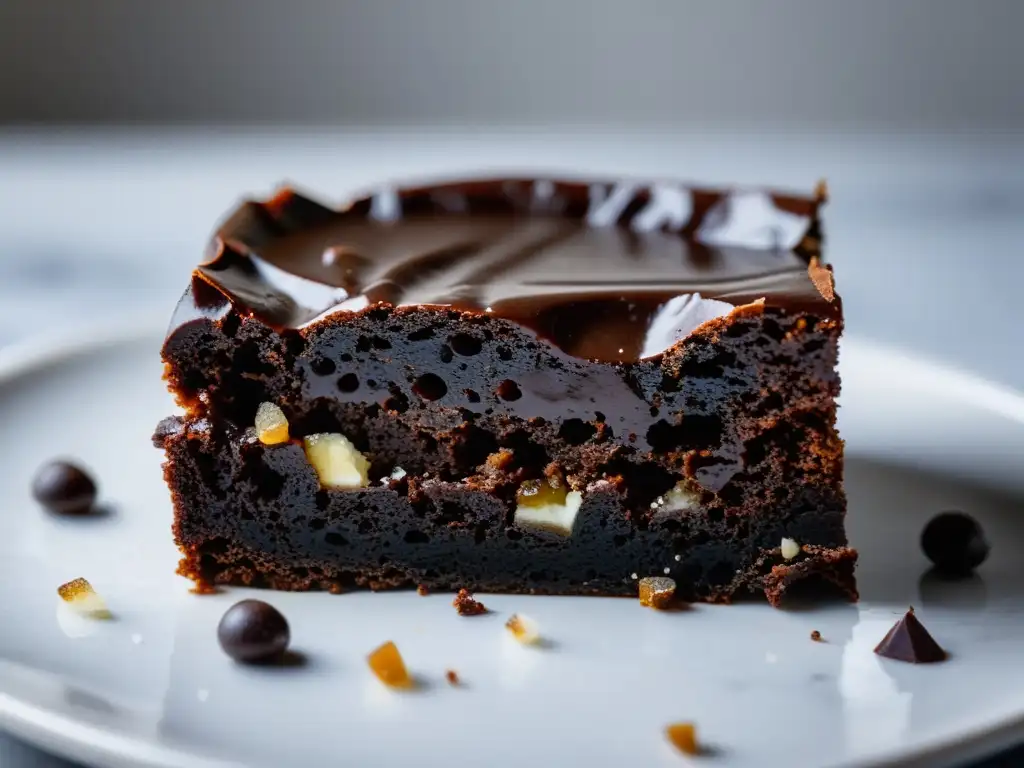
[512,385]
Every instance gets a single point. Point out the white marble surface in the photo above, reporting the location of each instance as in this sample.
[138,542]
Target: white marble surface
[927,233]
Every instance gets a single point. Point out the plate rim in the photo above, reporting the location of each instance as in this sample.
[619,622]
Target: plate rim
[80,741]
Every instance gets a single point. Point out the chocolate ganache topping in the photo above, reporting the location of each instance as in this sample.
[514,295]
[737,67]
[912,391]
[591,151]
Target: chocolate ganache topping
[612,271]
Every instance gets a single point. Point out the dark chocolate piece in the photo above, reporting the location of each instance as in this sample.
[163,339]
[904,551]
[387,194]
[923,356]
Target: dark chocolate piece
[253,631]
[64,488]
[909,641]
[955,543]
[667,354]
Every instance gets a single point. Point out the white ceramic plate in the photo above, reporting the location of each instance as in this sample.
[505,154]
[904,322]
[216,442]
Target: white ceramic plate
[152,687]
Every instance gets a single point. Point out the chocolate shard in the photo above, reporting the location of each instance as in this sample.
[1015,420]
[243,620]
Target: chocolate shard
[909,641]
[821,276]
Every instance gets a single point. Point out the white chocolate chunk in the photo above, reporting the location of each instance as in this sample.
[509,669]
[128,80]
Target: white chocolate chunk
[559,518]
[80,596]
[790,549]
[396,474]
[523,628]
[336,461]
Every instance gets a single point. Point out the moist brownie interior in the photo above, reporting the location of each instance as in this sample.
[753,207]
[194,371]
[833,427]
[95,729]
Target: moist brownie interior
[663,354]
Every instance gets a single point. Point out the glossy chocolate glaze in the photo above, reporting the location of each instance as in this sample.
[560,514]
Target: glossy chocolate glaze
[606,271]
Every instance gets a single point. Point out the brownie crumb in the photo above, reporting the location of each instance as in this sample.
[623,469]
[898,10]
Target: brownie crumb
[816,636]
[466,605]
[452,677]
[421,590]
[500,460]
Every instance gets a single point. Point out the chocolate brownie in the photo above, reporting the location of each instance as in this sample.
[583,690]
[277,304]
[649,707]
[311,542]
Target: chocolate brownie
[512,385]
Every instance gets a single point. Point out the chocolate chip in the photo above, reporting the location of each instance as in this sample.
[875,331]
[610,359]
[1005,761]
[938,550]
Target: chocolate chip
[253,631]
[64,488]
[955,543]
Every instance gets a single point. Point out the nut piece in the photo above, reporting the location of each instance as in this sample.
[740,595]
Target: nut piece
[336,461]
[271,425]
[816,636]
[683,737]
[466,605]
[387,664]
[80,596]
[790,549]
[657,592]
[523,628]
[548,505]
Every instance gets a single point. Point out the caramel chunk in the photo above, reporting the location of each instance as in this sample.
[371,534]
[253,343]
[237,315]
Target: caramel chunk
[548,505]
[389,667]
[683,737]
[657,592]
[541,493]
[271,424]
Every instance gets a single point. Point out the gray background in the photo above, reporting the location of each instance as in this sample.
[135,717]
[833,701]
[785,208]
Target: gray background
[914,109]
[890,64]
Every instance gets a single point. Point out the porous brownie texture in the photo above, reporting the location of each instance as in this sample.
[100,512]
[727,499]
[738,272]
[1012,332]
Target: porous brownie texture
[741,412]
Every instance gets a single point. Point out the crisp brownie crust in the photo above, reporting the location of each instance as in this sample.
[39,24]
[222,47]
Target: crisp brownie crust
[718,383]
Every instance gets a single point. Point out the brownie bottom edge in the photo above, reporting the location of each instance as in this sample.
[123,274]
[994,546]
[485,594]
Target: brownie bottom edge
[816,573]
